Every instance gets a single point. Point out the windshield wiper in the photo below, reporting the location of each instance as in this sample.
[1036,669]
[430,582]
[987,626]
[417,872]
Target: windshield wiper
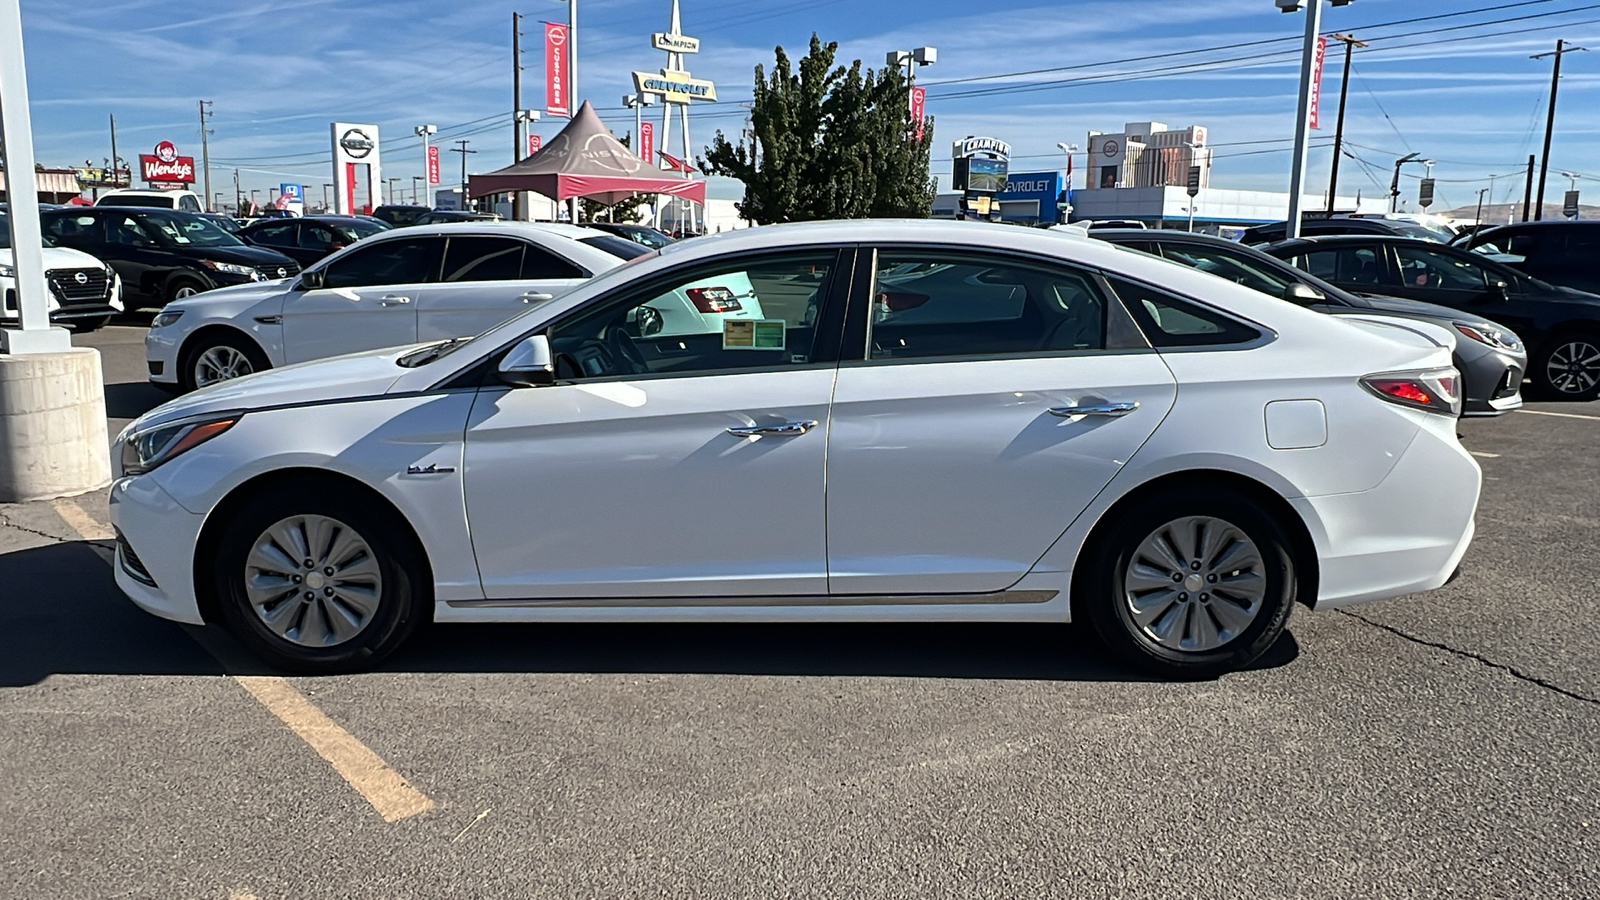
[430,353]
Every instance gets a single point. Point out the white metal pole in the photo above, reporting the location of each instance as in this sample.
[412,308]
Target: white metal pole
[1302,122]
[22,198]
[574,98]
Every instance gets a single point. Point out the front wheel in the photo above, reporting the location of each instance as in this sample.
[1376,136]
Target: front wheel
[217,357]
[1568,367]
[1192,583]
[313,579]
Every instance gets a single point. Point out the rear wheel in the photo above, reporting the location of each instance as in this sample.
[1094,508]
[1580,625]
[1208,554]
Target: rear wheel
[220,356]
[1192,583]
[312,578]
[1568,367]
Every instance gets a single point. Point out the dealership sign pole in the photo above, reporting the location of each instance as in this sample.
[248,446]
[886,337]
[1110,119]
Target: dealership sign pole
[675,87]
[22,195]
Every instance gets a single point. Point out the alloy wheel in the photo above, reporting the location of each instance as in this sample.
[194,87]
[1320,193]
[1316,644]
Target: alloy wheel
[1194,584]
[313,580]
[1573,367]
[220,363]
[184,291]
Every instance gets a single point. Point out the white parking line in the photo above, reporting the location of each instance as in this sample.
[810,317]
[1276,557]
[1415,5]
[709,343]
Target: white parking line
[1484,455]
[1541,412]
[391,795]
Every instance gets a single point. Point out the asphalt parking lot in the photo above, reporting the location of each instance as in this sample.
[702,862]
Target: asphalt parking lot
[1443,744]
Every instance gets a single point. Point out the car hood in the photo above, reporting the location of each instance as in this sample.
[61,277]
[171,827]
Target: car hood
[259,257]
[1384,303]
[339,378]
[68,258]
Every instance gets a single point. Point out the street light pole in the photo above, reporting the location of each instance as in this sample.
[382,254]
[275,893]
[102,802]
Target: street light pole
[1065,214]
[1302,125]
[1394,184]
[422,131]
[414,195]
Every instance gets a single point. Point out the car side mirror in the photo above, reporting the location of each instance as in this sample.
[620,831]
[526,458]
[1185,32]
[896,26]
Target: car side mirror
[650,321]
[528,364]
[1303,294]
[310,281]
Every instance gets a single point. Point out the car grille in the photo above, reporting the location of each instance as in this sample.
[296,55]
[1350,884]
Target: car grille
[78,287]
[131,563]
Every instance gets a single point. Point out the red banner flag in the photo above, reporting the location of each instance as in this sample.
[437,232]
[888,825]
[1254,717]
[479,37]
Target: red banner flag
[534,143]
[433,165]
[555,69]
[1316,79]
[647,142]
[675,164]
[919,99]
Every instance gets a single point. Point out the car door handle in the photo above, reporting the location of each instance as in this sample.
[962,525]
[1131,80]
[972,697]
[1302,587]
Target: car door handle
[1095,409]
[536,297]
[787,429]
[393,300]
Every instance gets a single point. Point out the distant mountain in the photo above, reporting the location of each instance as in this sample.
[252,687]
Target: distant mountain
[1502,213]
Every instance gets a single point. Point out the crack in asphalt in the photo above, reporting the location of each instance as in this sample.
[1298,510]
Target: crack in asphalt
[5,521]
[1513,671]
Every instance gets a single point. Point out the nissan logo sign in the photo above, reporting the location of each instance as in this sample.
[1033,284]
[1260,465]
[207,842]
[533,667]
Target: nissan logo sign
[356,143]
[81,278]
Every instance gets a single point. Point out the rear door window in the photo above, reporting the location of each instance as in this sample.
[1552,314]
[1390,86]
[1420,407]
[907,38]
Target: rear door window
[1344,265]
[275,235]
[539,264]
[474,258]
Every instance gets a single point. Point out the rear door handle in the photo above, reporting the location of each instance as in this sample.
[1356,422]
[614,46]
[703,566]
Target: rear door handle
[536,297]
[1095,409]
[393,300]
[787,429]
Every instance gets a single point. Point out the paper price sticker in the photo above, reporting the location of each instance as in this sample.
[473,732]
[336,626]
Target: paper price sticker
[754,334]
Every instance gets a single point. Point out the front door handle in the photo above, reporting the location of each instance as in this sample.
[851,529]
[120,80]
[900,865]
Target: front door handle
[393,300]
[787,429]
[1095,409]
[536,297]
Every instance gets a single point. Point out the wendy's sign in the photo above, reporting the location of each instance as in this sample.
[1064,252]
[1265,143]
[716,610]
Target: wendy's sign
[165,165]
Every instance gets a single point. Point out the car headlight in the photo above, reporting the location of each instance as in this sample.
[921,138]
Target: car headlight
[148,448]
[166,317]
[1484,333]
[7,272]
[231,269]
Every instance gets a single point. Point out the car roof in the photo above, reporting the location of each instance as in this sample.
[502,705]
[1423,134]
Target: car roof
[1353,238]
[1161,235]
[567,238]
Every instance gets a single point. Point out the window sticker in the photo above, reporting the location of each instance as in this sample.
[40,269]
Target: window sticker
[754,334]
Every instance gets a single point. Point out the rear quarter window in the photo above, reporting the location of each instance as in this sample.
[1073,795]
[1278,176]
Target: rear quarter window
[1169,321]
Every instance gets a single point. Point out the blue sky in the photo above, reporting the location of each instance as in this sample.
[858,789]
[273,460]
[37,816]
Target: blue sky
[1459,88]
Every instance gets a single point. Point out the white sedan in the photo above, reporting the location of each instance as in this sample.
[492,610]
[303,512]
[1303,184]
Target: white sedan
[394,288]
[1109,437]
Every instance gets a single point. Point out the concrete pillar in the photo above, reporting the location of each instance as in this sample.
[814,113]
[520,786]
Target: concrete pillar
[52,426]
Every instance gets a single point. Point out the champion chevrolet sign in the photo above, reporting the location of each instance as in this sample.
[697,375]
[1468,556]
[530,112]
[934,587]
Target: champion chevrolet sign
[674,87]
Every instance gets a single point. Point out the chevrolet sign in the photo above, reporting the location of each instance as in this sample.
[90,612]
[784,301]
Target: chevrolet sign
[674,87]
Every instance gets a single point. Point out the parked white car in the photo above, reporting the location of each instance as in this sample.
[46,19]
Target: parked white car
[83,291]
[187,201]
[394,288]
[1172,457]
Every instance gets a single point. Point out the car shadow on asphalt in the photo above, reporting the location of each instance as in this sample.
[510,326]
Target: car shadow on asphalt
[61,613]
[132,400]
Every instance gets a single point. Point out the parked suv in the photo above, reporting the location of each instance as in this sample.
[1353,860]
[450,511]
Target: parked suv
[84,292]
[310,238]
[1562,253]
[399,216]
[1350,224]
[163,255]
[1491,359]
[184,200]
[1560,325]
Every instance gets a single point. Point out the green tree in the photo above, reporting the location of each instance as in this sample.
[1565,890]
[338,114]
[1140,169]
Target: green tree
[830,142]
[621,211]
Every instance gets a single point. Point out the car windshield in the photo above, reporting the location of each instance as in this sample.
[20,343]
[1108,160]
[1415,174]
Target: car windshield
[1251,273]
[184,230]
[360,228]
[621,248]
[133,200]
[5,234]
[648,237]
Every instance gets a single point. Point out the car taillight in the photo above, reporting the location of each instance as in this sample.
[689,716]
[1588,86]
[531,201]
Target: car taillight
[713,299]
[1434,390]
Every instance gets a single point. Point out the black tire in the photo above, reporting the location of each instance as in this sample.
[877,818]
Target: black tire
[1575,378]
[1108,604]
[84,326]
[189,359]
[185,286]
[403,603]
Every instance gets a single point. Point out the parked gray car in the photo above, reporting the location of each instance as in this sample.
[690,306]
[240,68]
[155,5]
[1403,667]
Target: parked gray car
[1491,358]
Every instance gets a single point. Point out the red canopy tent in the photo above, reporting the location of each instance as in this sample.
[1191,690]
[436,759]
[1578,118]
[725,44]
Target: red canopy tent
[585,160]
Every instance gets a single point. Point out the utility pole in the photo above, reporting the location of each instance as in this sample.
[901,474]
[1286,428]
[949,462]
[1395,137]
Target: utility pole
[1550,120]
[1350,43]
[238,195]
[516,109]
[116,161]
[205,146]
[463,151]
[1527,190]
